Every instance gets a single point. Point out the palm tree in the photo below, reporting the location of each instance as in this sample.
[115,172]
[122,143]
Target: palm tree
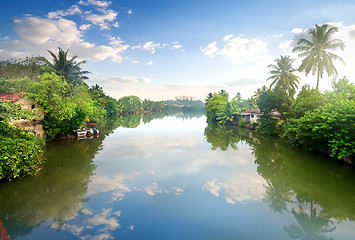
[315,52]
[68,68]
[227,114]
[224,94]
[283,75]
[209,96]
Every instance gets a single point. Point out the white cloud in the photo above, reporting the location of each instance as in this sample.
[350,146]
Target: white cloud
[212,187]
[152,46]
[40,31]
[118,43]
[104,218]
[211,49]
[86,211]
[103,4]
[71,11]
[239,50]
[150,63]
[116,25]
[85,27]
[105,184]
[134,62]
[277,35]
[153,189]
[176,46]
[130,11]
[102,20]
[149,46]
[240,187]
[36,35]
[6,38]
[178,191]
[297,30]
[286,46]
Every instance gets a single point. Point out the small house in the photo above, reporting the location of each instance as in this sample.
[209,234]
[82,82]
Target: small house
[32,125]
[251,115]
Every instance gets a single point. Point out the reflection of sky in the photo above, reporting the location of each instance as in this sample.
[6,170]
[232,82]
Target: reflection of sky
[163,181]
[169,158]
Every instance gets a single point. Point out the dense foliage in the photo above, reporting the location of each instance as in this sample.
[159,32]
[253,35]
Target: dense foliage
[29,67]
[222,111]
[68,68]
[329,126]
[315,121]
[20,152]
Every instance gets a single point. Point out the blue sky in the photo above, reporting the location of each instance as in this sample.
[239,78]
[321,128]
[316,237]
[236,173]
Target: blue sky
[161,49]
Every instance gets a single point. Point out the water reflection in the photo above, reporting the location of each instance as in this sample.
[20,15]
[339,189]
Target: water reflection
[310,225]
[222,137]
[57,193]
[315,190]
[176,178]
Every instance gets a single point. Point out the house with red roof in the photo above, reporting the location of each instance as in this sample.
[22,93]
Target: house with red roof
[32,125]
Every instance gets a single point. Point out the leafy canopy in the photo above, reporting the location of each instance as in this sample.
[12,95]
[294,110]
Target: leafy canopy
[283,76]
[68,68]
[315,51]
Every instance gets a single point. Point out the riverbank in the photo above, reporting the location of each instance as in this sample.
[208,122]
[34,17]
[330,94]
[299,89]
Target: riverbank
[313,121]
[136,180]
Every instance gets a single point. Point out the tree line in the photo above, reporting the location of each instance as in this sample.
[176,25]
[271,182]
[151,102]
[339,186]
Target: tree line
[58,86]
[314,120]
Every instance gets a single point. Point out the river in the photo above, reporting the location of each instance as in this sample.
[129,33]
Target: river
[177,177]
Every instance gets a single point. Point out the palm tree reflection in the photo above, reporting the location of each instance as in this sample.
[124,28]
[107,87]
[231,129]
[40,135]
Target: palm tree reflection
[311,226]
[278,195]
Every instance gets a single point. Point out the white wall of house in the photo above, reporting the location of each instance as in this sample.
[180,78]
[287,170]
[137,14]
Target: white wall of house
[254,117]
[33,126]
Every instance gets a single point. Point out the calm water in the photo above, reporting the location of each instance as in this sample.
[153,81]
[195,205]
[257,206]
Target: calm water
[178,178]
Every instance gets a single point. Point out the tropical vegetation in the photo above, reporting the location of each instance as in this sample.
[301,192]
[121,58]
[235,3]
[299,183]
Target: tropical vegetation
[59,88]
[20,152]
[313,120]
[315,51]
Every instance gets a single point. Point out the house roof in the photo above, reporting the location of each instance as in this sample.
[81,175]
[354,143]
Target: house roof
[257,111]
[12,97]
[275,113]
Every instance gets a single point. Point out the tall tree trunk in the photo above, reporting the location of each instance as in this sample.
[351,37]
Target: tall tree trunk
[318,78]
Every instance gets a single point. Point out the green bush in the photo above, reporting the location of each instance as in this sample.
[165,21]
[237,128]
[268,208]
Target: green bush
[20,152]
[242,122]
[267,125]
[329,126]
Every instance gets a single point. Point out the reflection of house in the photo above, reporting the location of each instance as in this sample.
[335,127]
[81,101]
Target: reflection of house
[33,125]
[251,115]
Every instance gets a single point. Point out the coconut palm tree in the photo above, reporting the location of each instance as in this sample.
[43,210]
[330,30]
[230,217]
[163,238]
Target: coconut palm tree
[315,51]
[209,96]
[68,68]
[283,75]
